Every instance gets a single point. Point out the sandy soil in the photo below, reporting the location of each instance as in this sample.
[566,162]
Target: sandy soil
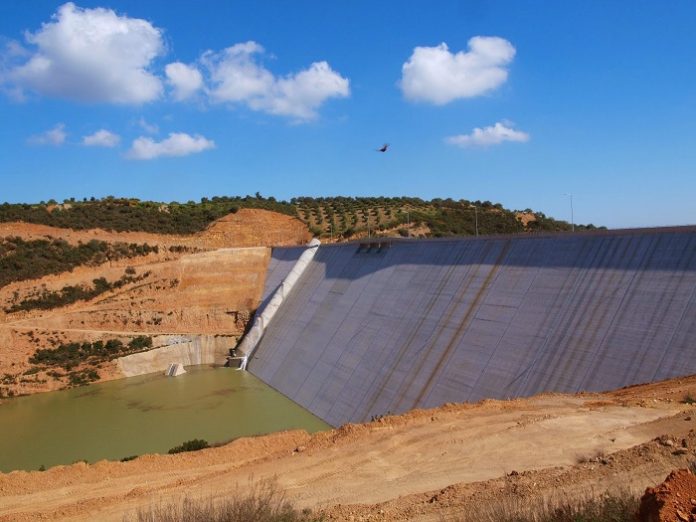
[525,217]
[674,499]
[424,465]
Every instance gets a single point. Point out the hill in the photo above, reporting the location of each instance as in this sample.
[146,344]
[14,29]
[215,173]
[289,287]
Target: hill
[346,218]
[332,218]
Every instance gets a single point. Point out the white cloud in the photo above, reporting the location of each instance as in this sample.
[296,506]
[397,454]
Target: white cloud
[177,144]
[184,79]
[435,75]
[101,138]
[11,53]
[491,135]
[150,128]
[237,77]
[92,55]
[55,136]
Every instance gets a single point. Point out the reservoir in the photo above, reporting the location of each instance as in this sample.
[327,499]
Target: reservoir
[145,414]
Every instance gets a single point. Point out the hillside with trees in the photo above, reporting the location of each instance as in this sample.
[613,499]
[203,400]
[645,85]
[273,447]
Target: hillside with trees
[21,260]
[340,218]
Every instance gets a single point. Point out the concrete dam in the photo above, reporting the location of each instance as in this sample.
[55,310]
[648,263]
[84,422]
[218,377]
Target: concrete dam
[384,327]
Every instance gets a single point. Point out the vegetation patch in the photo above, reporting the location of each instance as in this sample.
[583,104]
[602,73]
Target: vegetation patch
[343,217]
[124,214]
[21,260]
[80,378]
[70,294]
[69,356]
[190,445]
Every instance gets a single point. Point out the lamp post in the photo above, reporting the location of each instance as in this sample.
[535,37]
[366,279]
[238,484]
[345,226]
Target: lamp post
[475,217]
[572,217]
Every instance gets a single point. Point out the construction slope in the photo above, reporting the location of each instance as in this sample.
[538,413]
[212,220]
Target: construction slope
[368,331]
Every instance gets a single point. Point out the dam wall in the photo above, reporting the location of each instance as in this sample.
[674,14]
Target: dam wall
[369,330]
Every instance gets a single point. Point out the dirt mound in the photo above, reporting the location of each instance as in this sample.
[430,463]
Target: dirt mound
[673,500]
[250,227]
[525,218]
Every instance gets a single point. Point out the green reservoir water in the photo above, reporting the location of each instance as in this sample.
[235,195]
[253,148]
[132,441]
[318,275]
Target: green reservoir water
[146,414]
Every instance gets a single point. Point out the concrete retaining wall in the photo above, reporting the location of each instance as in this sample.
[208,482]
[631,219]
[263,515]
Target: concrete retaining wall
[188,350]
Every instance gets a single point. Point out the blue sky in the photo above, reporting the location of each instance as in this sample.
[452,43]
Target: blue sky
[179,100]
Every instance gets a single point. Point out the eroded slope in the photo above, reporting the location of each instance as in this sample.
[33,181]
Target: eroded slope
[207,284]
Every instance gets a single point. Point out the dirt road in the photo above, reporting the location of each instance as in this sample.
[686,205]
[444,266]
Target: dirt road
[423,465]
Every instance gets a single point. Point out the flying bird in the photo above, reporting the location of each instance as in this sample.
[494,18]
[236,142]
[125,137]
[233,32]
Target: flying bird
[383,148]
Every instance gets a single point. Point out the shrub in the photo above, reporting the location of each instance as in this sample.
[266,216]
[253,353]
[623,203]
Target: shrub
[190,445]
[140,343]
[81,378]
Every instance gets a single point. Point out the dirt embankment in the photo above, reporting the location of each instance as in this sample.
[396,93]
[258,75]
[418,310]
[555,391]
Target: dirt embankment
[439,464]
[673,500]
[208,283]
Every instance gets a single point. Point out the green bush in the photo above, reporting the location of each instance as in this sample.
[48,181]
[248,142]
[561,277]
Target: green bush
[81,378]
[190,445]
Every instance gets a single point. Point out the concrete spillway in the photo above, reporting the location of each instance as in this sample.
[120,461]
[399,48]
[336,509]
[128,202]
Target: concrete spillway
[420,323]
[273,299]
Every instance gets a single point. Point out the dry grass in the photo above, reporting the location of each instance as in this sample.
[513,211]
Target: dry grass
[264,503]
[616,507]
